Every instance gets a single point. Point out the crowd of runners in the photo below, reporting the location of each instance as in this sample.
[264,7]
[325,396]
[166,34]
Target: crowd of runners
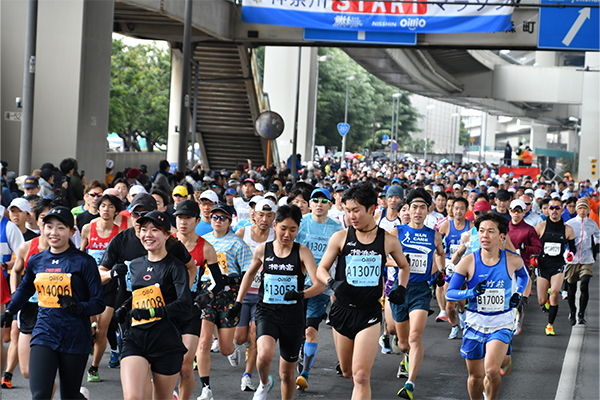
[168,269]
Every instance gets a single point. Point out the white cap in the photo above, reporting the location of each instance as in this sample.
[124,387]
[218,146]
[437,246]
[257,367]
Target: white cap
[482,183]
[255,199]
[259,187]
[209,195]
[436,189]
[21,204]
[492,189]
[554,195]
[515,180]
[505,175]
[282,201]
[512,189]
[539,193]
[265,205]
[566,195]
[137,189]
[109,163]
[529,192]
[501,181]
[456,186]
[518,203]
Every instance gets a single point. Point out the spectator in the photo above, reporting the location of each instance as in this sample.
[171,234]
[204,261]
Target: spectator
[160,179]
[46,182]
[507,155]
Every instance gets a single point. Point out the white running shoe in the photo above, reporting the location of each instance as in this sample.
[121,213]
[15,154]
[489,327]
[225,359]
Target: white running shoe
[453,333]
[175,395]
[247,384]
[462,316]
[85,392]
[206,394]
[384,342]
[234,358]
[394,344]
[263,390]
[215,346]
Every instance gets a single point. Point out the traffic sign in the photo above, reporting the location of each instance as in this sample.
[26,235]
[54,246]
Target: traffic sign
[573,28]
[343,128]
[385,137]
[394,146]
[325,35]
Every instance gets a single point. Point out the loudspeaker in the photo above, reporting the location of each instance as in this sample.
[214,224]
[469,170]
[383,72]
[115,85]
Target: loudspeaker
[541,162]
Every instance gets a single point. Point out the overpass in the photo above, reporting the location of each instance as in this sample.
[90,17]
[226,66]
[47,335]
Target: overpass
[464,69]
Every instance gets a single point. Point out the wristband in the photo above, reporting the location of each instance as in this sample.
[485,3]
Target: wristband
[151,312]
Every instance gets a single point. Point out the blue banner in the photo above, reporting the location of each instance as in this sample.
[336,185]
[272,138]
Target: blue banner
[380,16]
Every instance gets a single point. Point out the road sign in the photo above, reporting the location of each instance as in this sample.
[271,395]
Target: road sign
[324,35]
[385,137]
[569,28]
[343,128]
[12,116]
[394,146]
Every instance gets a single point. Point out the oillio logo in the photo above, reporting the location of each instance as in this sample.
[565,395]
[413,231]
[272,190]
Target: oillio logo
[413,23]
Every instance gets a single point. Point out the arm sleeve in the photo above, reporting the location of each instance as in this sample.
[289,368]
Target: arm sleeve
[182,305]
[454,293]
[25,291]
[522,279]
[572,247]
[217,277]
[95,305]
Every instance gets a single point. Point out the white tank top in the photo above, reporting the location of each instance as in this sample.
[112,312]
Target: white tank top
[253,244]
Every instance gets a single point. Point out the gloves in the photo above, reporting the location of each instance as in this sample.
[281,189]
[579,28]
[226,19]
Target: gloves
[202,300]
[68,303]
[569,257]
[522,246]
[6,319]
[335,285]
[515,300]
[234,311]
[523,302]
[440,278]
[398,295]
[293,295]
[534,261]
[479,289]
[118,270]
[407,258]
[120,314]
[140,313]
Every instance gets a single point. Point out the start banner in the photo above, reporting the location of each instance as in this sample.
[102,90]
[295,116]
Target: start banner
[382,16]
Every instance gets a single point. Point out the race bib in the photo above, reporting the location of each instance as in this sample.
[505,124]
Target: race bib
[97,255]
[418,263]
[317,245]
[490,301]
[453,249]
[257,279]
[363,271]
[50,285]
[552,249]
[222,260]
[146,297]
[276,286]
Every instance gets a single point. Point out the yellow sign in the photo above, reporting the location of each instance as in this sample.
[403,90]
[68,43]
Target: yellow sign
[50,285]
[472,140]
[146,297]
[594,168]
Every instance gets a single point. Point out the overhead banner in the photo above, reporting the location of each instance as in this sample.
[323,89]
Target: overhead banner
[381,16]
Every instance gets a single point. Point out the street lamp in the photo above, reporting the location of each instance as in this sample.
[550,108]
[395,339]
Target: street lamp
[314,133]
[429,107]
[395,115]
[455,133]
[348,80]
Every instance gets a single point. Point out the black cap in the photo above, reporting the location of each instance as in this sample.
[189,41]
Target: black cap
[273,188]
[223,207]
[503,194]
[158,219]
[61,213]
[144,200]
[341,188]
[187,207]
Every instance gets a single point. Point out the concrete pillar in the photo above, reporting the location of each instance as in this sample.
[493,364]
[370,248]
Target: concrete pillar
[545,58]
[538,136]
[589,147]
[490,132]
[174,105]
[572,141]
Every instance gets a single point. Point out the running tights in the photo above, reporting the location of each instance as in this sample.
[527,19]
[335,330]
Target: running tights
[43,364]
[111,334]
[585,294]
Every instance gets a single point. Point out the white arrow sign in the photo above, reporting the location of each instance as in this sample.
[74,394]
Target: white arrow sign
[583,15]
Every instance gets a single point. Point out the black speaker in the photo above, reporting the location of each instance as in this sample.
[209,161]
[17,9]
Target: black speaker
[542,162]
[552,163]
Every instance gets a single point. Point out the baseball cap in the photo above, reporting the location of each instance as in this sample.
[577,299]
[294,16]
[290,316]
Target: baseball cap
[198,187]
[492,189]
[539,193]
[512,190]
[137,189]
[501,181]
[265,205]
[259,187]
[517,203]
[31,182]
[63,214]
[341,188]
[482,206]
[456,186]
[109,163]
[448,190]
[143,200]
[554,195]
[324,192]
[382,193]
[232,182]
[248,180]
[270,195]
[158,218]
[229,191]
[180,190]
[21,204]
[529,192]
[187,207]
[255,199]
[224,208]
[503,194]
[210,196]
[273,187]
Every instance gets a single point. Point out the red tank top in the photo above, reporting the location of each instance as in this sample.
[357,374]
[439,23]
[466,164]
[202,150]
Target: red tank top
[197,252]
[33,249]
[123,222]
[98,243]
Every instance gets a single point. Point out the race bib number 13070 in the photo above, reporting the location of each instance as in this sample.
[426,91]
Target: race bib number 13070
[363,271]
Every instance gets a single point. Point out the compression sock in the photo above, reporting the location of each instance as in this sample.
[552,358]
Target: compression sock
[310,350]
[205,381]
[585,293]
[111,335]
[552,314]
[571,297]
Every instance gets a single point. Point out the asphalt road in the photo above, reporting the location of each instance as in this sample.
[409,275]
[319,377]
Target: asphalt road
[538,361]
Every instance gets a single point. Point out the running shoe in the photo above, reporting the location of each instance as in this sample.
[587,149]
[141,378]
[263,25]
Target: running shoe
[195,365]
[338,369]
[234,358]
[246,385]
[300,362]
[519,325]
[572,319]
[442,316]
[506,369]
[206,394]
[403,368]
[114,361]
[407,391]
[302,382]
[564,294]
[394,344]
[215,346]
[549,330]
[92,375]
[263,390]
[6,381]
[581,319]
[546,307]
[384,342]
[453,333]
[175,395]
[85,392]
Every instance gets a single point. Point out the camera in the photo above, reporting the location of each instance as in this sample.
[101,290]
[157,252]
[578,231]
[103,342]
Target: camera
[19,102]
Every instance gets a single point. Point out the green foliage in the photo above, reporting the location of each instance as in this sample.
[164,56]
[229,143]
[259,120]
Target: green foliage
[369,101]
[139,93]
[416,146]
[464,137]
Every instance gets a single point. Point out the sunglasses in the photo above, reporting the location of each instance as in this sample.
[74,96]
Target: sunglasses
[317,200]
[138,214]
[517,211]
[93,194]
[554,207]
[221,218]
[527,204]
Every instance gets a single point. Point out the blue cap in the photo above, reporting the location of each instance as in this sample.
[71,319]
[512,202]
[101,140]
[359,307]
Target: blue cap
[341,188]
[386,187]
[230,191]
[396,180]
[474,190]
[325,192]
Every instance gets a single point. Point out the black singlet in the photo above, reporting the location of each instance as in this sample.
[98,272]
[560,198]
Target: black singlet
[553,241]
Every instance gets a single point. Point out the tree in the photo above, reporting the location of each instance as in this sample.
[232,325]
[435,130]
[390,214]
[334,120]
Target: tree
[369,101]
[139,93]
[464,137]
